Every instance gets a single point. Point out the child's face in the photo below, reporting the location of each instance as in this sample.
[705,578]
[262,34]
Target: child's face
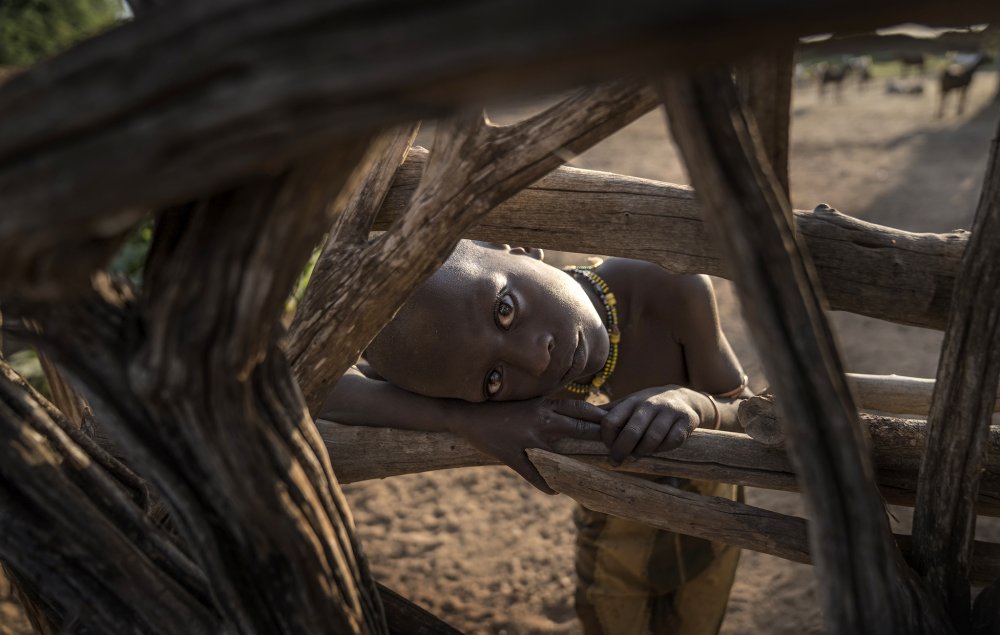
[494,324]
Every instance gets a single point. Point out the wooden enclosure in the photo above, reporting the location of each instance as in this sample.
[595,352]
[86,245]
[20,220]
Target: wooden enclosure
[179,483]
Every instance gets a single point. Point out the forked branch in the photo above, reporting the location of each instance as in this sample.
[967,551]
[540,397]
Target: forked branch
[475,167]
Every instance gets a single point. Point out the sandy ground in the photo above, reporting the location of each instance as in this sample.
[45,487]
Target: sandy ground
[487,552]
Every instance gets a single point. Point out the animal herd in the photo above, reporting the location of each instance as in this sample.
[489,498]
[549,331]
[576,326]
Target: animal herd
[954,78]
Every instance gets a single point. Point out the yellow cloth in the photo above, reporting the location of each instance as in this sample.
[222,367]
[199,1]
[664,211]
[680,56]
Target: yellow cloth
[637,580]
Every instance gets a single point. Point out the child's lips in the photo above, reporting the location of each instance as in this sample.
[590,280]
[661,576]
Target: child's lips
[577,362]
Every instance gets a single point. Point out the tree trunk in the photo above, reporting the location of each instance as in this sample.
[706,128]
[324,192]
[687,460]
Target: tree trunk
[192,365]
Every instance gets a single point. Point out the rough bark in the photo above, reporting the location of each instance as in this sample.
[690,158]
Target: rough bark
[986,610]
[193,366]
[762,422]
[64,396]
[477,166]
[864,268]
[360,454]
[961,409]
[120,574]
[895,393]
[765,83]
[866,586]
[709,517]
[268,82]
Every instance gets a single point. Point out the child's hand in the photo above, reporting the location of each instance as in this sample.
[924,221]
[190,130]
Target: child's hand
[651,420]
[504,429]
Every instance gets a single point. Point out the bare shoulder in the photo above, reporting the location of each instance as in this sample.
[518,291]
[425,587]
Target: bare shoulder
[648,279]
[684,303]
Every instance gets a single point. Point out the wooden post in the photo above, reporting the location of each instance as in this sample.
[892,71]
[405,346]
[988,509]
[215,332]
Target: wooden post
[961,408]
[765,83]
[865,586]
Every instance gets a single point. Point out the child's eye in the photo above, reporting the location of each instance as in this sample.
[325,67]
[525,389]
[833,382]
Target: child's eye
[494,382]
[504,309]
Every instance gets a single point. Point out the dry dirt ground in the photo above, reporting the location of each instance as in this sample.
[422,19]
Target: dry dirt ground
[485,551]
[488,553]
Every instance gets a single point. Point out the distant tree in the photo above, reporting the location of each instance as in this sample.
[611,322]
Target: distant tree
[31,30]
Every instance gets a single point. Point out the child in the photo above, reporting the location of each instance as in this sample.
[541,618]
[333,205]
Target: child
[501,349]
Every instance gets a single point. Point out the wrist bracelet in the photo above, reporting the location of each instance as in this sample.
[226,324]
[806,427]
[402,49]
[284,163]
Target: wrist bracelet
[715,406]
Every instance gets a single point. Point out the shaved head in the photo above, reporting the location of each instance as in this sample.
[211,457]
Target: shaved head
[492,323]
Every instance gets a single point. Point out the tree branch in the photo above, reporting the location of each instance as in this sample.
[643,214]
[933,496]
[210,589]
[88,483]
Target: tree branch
[765,83]
[866,586]
[477,165]
[49,489]
[360,454]
[961,408]
[154,94]
[864,268]
[709,517]
[194,366]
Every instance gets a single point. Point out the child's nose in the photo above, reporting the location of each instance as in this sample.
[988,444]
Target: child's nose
[534,353]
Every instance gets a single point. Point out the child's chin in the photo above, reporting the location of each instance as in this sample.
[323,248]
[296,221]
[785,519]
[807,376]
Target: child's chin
[598,353]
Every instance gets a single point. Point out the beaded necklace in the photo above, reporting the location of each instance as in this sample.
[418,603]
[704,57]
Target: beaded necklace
[614,333]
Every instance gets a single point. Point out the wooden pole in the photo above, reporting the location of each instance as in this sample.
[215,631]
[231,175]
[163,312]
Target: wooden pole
[864,268]
[865,585]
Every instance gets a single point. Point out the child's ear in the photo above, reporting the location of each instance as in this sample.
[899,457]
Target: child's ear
[533,252]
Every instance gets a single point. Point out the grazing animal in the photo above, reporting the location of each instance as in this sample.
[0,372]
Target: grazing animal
[832,74]
[862,66]
[958,77]
[911,59]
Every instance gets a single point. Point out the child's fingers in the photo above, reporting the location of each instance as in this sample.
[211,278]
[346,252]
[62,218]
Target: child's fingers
[565,427]
[679,432]
[631,434]
[614,420]
[578,409]
[656,433]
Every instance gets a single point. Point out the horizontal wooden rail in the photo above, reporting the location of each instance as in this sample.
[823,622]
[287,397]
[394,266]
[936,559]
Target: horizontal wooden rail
[895,393]
[869,269]
[707,517]
[361,453]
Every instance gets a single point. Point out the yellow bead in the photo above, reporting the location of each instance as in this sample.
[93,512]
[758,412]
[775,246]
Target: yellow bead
[610,299]
[597,382]
[615,338]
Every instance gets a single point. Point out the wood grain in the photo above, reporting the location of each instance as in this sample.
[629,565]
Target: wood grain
[961,407]
[710,517]
[866,587]
[863,268]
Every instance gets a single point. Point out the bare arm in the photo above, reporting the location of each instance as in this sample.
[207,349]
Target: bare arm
[501,429]
[362,401]
[660,418]
[712,366]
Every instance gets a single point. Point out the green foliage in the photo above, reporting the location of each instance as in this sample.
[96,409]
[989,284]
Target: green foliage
[132,256]
[303,281]
[31,30]
[25,363]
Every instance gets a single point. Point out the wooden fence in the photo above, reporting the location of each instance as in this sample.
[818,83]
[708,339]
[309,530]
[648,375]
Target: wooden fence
[250,129]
